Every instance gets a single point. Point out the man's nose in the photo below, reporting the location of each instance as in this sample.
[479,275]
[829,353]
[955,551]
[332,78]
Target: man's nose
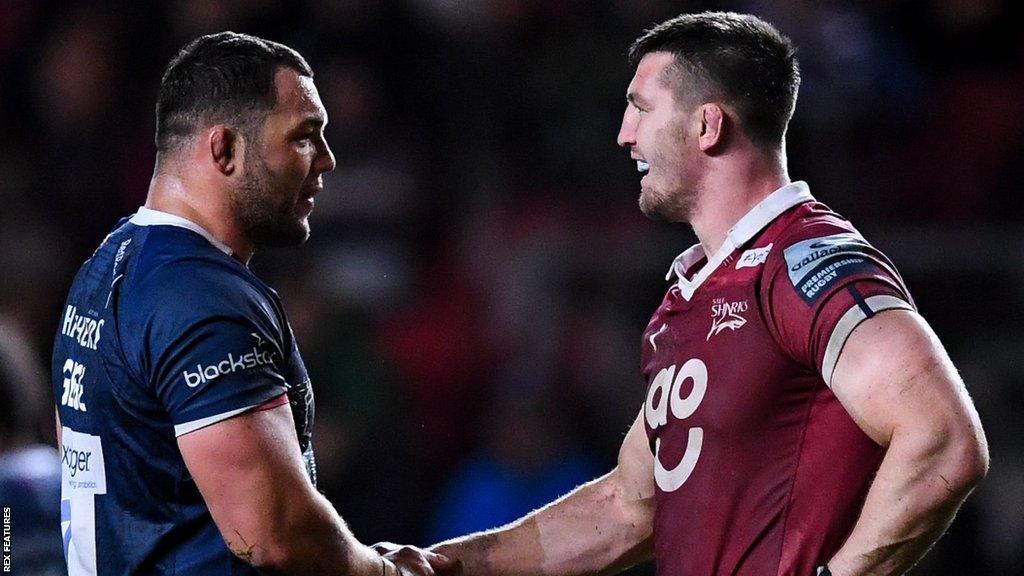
[627,131]
[326,162]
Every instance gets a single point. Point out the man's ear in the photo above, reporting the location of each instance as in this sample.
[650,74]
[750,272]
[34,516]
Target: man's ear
[712,126]
[226,148]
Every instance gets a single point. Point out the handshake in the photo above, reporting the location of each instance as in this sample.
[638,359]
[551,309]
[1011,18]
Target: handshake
[397,560]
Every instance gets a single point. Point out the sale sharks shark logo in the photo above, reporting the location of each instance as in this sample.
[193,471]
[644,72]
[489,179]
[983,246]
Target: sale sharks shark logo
[726,315]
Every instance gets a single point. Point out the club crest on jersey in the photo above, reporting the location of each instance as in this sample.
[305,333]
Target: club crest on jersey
[726,315]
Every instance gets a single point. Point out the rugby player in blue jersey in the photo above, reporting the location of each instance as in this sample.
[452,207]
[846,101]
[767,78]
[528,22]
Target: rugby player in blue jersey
[184,409]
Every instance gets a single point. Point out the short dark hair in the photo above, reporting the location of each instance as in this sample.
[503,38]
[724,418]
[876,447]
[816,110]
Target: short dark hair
[739,58]
[225,77]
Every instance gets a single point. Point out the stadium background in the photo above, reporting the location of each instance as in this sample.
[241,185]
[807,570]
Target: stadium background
[471,302]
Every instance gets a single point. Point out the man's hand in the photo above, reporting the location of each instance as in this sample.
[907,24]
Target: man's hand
[412,561]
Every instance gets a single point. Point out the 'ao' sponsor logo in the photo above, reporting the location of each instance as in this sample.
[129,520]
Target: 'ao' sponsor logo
[666,396]
[233,363]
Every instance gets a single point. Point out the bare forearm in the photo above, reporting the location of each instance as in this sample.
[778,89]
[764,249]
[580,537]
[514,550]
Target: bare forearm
[308,540]
[597,528]
[916,493]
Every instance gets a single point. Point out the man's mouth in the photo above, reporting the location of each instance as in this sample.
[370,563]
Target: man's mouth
[642,167]
[306,197]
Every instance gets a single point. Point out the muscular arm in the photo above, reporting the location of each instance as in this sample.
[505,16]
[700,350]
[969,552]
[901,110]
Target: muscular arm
[603,526]
[252,477]
[898,384]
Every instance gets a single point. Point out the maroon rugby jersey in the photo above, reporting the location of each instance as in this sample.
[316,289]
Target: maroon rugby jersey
[759,469]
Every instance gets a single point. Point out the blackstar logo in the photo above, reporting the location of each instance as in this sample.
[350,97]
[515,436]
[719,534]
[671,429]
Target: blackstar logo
[233,363]
[726,315]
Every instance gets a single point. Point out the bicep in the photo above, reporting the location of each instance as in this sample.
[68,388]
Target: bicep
[893,374]
[247,468]
[635,470]
[633,496]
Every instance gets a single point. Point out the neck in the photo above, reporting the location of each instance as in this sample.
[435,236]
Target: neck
[179,195]
[729,191]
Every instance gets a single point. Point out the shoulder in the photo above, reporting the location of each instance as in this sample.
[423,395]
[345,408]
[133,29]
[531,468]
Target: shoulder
[822,278]
[811,221]
[814,237]
[177,276]
[816,252]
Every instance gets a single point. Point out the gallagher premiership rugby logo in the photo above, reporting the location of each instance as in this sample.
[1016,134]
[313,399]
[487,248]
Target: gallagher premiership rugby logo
[816,264]
[233,363]
[726,315]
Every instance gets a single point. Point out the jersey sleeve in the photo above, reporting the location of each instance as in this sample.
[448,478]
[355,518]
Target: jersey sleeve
[210,346]
[820,286]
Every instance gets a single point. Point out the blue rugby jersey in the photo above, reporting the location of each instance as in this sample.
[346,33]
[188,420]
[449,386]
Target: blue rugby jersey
[163,333]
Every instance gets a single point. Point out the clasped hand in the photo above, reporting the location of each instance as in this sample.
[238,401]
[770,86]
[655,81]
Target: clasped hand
[412,561]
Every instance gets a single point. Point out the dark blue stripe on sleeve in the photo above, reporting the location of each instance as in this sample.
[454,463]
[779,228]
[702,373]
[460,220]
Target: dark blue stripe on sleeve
[860,300]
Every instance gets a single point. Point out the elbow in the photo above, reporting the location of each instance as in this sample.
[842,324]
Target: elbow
[291,547]
[267,557]
[257,546]
[974,460]
[627,508]
[276,558]
[968,462]
[630,520]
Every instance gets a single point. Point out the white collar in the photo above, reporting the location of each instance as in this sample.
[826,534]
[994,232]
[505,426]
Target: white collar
[149,217]
[750,224]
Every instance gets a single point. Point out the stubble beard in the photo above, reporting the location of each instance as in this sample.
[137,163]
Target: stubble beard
[266,217]
[673,201]
[674,206]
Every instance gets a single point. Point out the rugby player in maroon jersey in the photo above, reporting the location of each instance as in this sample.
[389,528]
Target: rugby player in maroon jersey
[801,417]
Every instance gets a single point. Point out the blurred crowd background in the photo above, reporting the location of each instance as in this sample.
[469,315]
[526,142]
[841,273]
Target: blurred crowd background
[471,302]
